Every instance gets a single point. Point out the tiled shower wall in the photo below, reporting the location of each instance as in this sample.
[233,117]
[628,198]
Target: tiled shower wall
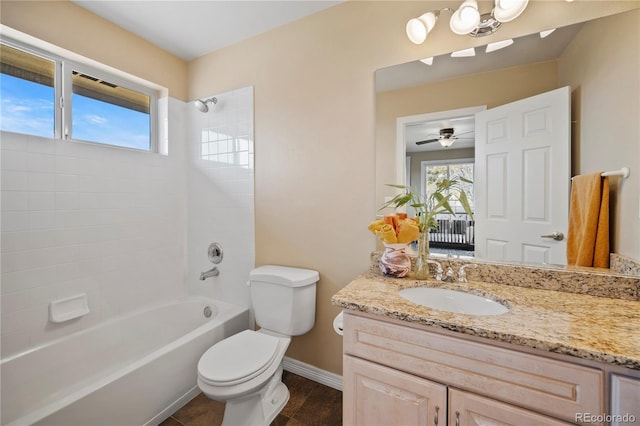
[83,218]
[220,204]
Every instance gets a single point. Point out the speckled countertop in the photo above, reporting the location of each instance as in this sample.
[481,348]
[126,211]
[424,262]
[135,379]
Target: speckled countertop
[590,327]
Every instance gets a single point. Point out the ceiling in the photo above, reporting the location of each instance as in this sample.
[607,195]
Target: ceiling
[190,29]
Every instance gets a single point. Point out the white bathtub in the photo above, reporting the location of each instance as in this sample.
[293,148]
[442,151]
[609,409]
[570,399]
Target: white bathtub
[134,370]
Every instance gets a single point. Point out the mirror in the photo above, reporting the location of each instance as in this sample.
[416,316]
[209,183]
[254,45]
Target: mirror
[532,65]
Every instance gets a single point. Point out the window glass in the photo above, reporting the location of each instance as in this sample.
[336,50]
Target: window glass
[107,113]
[437,173]
[27,93]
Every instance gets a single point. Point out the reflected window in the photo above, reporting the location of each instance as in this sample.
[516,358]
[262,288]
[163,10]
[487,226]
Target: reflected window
[435,172]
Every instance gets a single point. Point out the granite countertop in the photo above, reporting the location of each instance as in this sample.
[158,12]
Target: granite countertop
[589,327]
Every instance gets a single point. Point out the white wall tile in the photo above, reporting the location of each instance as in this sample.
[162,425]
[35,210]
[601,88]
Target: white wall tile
[42,219]
[14,160]
[15,200]
[41,200]
[14,180]
[42,182]
[66,183]
[13,142]
[220,206]
[14,221]
[42,163]
[81,217]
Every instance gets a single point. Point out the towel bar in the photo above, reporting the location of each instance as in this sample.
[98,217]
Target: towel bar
[624,172]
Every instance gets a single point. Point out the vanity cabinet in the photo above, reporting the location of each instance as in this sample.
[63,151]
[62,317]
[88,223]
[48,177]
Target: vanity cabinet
[397,374]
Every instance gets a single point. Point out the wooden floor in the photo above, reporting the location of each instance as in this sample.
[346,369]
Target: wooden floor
[310,403]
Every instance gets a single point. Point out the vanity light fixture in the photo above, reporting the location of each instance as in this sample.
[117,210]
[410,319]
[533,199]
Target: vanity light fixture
[466,19]
[427,61]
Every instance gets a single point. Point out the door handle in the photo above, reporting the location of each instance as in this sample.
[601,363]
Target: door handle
[558,236]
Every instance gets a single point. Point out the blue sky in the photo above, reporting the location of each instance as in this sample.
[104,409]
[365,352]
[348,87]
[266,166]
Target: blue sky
[28,107]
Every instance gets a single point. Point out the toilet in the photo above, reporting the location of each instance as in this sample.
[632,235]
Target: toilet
[245,370]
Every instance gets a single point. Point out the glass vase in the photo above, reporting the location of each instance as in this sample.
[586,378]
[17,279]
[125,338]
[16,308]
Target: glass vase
[394,261]
[421,271]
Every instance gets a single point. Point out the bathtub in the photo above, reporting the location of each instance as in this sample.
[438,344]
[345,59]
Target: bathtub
[134,370]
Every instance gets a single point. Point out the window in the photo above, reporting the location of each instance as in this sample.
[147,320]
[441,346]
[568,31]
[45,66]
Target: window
[27,91]
[435,171]
[49,96]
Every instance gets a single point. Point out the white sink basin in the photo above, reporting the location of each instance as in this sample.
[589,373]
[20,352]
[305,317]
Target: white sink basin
[453,301]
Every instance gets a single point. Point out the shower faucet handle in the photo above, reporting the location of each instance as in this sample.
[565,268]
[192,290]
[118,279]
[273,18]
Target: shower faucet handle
[215,253]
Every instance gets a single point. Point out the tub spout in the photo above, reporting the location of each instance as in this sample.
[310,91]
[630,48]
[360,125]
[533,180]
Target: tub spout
[213,272]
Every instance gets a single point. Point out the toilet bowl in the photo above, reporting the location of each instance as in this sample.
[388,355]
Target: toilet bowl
[245,370]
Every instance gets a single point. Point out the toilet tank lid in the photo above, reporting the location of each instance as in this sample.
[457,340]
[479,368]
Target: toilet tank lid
[284,275]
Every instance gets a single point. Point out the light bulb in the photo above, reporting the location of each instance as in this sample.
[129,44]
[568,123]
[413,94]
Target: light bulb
[508,10]
[466,18]
[419,28]
[416,31]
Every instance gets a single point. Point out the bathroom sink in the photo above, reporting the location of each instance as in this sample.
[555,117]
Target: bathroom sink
[453,301]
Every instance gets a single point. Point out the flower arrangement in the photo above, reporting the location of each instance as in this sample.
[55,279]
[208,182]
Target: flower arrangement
[396,229]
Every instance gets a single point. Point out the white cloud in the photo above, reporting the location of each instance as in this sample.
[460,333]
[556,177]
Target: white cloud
[95,119]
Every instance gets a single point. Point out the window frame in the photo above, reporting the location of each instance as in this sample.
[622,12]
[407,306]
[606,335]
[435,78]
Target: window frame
[63,87]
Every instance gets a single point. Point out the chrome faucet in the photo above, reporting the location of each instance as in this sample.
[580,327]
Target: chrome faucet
[213,272]
[462,275]
[449,275]
[439,270]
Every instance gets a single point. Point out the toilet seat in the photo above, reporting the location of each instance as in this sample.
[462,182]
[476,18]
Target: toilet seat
[238,359]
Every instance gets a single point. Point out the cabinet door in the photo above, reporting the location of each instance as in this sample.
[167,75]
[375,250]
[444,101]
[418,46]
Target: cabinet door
[625,399]
[376,395]
[467,409]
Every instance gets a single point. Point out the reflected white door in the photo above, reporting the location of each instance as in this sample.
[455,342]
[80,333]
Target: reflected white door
[522,179]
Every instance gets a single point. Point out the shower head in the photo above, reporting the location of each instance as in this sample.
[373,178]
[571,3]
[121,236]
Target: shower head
[201,104]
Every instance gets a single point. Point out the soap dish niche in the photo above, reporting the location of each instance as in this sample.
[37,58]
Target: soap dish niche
[68,308]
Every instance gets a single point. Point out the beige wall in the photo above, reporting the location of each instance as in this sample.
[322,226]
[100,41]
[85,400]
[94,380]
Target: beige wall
[490,88]
[71,27]
[315,165]
[602,65]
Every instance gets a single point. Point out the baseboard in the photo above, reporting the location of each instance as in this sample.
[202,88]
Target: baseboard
[313,373]
[175,406]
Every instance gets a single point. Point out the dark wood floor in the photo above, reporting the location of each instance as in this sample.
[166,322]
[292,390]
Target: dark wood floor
[310,403]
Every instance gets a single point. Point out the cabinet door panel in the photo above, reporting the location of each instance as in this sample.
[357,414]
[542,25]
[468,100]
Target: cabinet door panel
[625,399]
[467,409]
[376,395]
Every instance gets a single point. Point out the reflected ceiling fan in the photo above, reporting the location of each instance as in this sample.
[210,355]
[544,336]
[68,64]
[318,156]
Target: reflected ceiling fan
[447,137]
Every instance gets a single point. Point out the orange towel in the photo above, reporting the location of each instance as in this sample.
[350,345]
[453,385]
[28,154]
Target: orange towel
[588,234]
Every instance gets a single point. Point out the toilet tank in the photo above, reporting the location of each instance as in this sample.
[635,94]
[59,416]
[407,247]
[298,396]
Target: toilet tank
[284,298]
